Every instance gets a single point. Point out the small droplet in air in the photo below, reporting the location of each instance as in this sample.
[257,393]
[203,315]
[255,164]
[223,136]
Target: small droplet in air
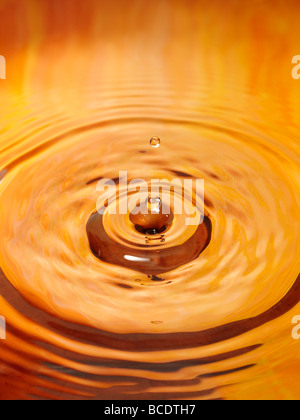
[153,204]
[155,142]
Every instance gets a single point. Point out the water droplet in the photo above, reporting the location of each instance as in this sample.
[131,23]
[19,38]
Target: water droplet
[155,142]
[153,204]
[152,218]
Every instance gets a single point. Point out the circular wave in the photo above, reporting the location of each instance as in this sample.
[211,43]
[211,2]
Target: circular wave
[98,326]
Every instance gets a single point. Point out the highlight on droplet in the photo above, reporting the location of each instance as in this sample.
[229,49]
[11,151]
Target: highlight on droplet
[153,204]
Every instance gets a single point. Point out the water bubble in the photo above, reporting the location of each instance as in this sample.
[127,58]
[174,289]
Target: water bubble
[153,204]
[155,142]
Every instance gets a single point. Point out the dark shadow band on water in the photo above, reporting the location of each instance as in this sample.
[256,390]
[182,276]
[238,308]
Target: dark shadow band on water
[141,341]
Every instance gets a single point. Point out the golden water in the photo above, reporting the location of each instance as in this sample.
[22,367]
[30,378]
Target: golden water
[88,84]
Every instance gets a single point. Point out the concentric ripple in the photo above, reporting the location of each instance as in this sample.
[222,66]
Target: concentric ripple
[214,325]
[248,268]
[150,243]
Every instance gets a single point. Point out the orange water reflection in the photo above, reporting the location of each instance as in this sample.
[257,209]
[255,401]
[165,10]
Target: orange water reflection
[88,83]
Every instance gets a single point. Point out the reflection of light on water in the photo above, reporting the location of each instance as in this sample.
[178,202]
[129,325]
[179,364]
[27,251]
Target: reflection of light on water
[135,259]
[222,99]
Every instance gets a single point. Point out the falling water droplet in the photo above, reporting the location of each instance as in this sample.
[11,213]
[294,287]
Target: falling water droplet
[155,142]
